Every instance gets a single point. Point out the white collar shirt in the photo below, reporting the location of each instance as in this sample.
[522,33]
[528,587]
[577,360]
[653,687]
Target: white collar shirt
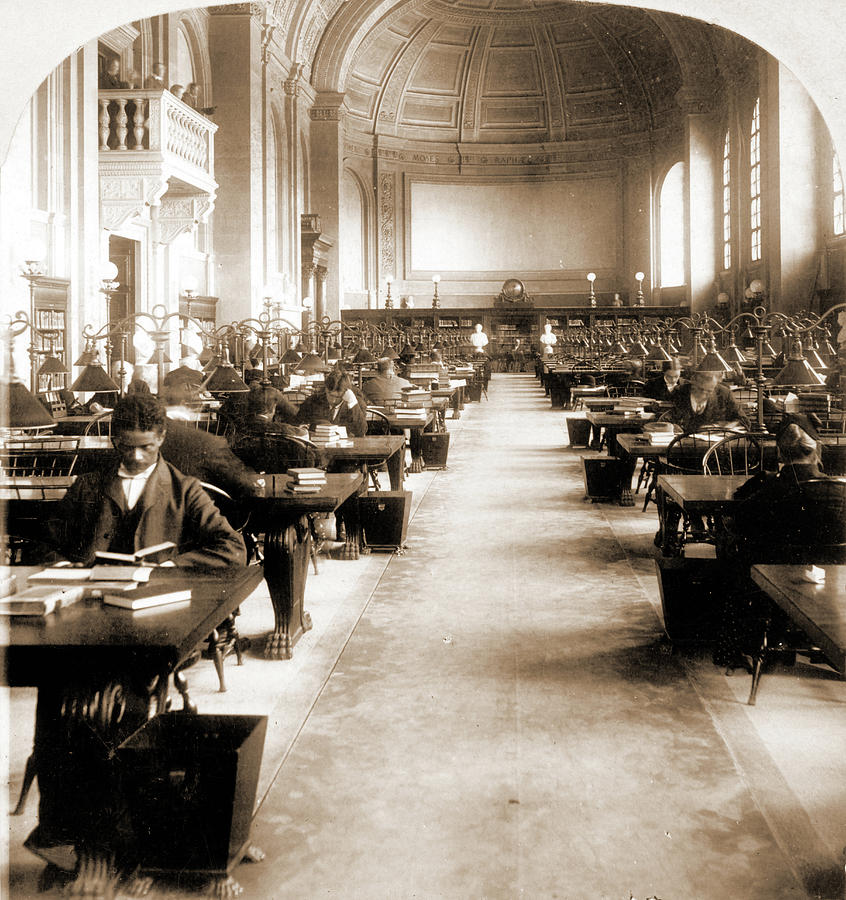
[133,485]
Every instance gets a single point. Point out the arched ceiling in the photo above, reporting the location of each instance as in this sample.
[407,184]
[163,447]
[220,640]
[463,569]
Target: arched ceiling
[510,71]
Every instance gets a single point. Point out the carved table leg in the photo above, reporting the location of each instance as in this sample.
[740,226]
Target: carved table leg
[416,446]
[353,544]
[286,555]
[396,464]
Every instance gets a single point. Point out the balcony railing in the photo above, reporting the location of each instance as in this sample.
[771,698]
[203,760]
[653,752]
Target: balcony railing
[156,122]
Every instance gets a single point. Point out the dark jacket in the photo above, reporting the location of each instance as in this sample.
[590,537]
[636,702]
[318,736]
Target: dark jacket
[384,387]
[173,507]
[720,407]
[656,388]
[315,410]
[208,457]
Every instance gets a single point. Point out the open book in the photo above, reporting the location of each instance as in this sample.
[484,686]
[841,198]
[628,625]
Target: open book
[145,554]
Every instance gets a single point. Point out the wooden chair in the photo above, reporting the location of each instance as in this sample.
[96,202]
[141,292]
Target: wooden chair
[38,457]
[100,425]
[272,452]
[736,454]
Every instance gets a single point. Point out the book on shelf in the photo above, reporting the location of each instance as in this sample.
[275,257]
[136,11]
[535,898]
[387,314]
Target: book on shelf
[146,597]
[106,556]
[41,600]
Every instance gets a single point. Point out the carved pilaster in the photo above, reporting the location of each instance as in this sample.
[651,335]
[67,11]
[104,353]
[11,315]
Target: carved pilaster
[387,215]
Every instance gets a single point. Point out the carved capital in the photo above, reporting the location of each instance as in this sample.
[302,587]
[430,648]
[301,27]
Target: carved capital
[328,107]
[320,272]
[292,83]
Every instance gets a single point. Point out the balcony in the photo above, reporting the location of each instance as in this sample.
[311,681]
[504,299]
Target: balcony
[154,151]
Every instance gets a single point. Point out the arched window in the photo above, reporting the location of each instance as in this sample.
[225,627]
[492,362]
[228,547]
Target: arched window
[727,201]
[837,196]
[353,230]
[672,230]
[183,72]
[755,183]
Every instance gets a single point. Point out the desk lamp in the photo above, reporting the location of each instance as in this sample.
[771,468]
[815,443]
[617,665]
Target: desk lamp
[797,371]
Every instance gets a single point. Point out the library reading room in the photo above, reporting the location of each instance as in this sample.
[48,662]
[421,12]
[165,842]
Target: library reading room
[423,450]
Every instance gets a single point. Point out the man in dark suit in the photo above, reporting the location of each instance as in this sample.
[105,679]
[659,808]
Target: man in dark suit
[336,404]
[661,386]
[142,499]
[703,401]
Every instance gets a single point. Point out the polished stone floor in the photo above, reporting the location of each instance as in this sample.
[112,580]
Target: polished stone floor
[494,715]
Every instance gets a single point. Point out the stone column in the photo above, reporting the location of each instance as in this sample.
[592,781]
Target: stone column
[700,186]
[320,273]
[327,160]
[235,51]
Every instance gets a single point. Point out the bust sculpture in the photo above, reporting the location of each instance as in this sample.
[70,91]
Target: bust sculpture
[479,339]
[548,339]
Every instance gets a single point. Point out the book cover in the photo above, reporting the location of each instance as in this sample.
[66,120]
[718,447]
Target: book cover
[143,553]
[60,575]
[120,573]
[40,600]
[146,597]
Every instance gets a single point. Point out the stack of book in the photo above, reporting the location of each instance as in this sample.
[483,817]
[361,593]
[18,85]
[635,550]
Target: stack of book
[661,438]
[416,397]
[411,414]
[305,480]
[329,436]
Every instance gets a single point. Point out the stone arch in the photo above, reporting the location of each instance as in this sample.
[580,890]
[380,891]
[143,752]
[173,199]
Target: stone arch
[193,26]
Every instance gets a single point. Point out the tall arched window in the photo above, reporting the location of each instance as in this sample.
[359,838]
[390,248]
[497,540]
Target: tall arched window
[671,223]
[727,201]
[755,183]
[837,196]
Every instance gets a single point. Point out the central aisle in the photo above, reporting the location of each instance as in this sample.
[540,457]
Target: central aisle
[501,723]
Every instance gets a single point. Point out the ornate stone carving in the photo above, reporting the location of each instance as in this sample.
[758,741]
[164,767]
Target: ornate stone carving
[387,216]
[237,9]
[124,196]
[471,92]
[182,213]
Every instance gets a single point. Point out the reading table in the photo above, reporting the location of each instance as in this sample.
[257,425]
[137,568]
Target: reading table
[101,673]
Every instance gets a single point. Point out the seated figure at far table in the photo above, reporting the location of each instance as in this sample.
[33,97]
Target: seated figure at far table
[387,385]
[703,401]
[141,500]
[661,386]
[335,404]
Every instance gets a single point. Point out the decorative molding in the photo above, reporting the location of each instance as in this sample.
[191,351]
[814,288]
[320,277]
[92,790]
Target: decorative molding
[387,216]
[478,53]
[414,49]
[176,215]
[237,9]
[127,194]
[120,38]
[694,101]
[310,222]
[328,107]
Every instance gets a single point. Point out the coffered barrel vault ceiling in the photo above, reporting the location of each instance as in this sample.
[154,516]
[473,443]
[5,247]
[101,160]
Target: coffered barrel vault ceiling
[514,71]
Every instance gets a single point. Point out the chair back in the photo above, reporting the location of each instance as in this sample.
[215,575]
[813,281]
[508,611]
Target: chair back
[100,425]
[377,421]
[686,452]
[38,457]
[52,400]
[737,454]
[807,526]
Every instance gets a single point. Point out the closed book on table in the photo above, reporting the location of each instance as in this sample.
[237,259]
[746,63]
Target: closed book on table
[384,518]
[148,596]
[41,600]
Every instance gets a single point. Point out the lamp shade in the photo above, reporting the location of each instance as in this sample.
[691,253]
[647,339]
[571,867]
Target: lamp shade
[364,356]
[51,366]
[225,379]
[390,352]
[713,362]
[23,408]
[290,357]
[658,354]
[797,370]
[94,378]
[311,364]
[183,375]
[87,358]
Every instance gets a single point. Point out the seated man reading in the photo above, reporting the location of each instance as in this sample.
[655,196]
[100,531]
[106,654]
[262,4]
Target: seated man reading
[703,401]
[143,500]
[387,385]
[661,386]
[336,404]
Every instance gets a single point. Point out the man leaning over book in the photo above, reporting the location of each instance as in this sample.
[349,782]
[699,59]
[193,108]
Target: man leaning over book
[142,500]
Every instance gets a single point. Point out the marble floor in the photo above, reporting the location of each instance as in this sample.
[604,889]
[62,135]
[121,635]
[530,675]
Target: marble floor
[493,714]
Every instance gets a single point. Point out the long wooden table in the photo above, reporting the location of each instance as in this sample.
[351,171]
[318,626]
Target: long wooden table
[101,673]
[702,495]
[818,609]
